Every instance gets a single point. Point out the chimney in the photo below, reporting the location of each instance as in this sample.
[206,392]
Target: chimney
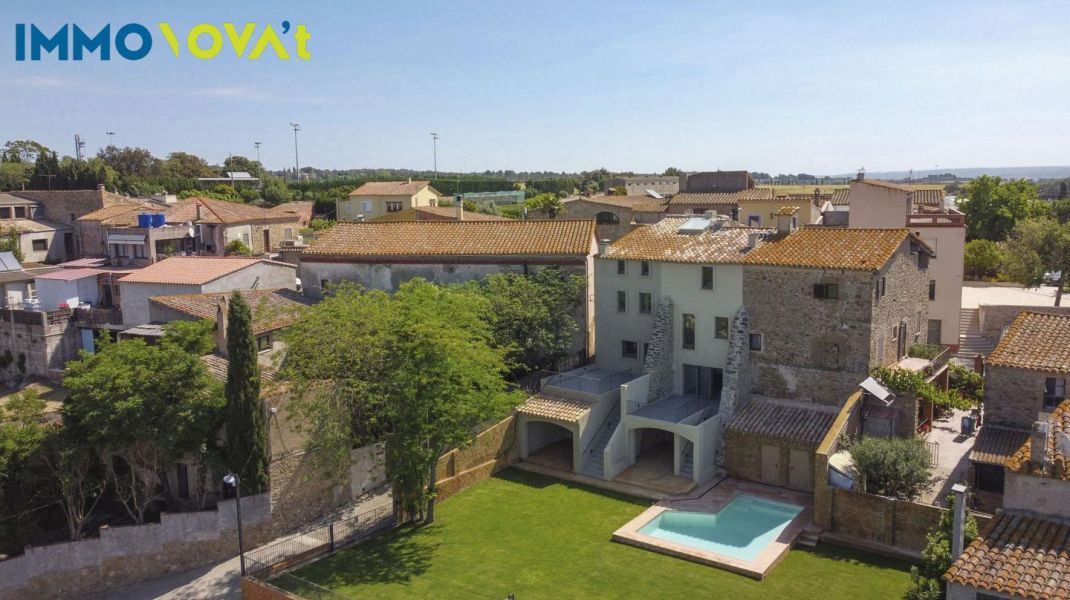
[861,175]
[198,205]
[458,207]
[221,315]
[1038,444]
[959,523]
[602,245]
[100,187]
[786,219]
[752,239]
[410,179]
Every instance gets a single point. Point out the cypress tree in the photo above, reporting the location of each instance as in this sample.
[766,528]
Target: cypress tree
[246,438]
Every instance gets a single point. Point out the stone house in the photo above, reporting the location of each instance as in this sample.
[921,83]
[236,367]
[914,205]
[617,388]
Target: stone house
[216,223]
[872,203]
[706,182]
[198,275]
[722,203]
[40,240]
[666,185]
[377,198]
[436,213]
[847,300]
[302,210]
[65,206]
[614,215]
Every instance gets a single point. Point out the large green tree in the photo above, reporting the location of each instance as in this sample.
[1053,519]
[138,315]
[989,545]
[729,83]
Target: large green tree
[15,175]
[418,369]
[130,161]
[25,151]
[1036,248]
[993,206]
[196,337]
[146,405]
[22,436]
[246,448]
[982,258]
[186,165]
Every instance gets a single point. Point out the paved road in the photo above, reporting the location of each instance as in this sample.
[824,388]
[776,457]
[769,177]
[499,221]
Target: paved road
[221,580]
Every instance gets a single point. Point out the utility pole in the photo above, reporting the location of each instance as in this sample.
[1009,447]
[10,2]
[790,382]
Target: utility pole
[258,166]
[434,149]
[79,143]
[297,164]
[110,134]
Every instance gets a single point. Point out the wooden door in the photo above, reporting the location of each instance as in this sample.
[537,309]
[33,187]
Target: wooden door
[771,465]
[800,472]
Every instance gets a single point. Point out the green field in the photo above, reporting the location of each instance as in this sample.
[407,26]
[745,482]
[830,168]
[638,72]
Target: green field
[537,538]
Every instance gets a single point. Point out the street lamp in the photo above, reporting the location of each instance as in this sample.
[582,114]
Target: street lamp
[297,165]
[434,149]
[258,167]
[110,134]
[234,480]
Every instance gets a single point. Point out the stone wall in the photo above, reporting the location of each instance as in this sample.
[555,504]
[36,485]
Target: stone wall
[876,519]
[743,455]
[493,449]
[586,209]
[1014,397]
[995,318]
[906,300]
[59,205]
[277,234]
[254,589]
[735,390]
[47,347]
[1046,496]
[658,359]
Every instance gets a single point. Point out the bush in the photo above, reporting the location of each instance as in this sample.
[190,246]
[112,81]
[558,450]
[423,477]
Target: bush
[237,247]
[968,383]
[927,581]
[926,351]
[982,259]
[896,467]
[902,381]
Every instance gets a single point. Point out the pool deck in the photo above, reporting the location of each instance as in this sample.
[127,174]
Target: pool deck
[713,501]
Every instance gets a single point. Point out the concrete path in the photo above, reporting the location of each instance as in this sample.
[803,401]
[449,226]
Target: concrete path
[221,580]
[953,462]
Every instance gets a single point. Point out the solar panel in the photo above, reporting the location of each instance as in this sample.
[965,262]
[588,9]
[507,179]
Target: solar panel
[654,194]
[694,225]
[874,387]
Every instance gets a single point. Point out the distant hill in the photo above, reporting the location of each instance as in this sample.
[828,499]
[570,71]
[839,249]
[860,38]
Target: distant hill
[971,172]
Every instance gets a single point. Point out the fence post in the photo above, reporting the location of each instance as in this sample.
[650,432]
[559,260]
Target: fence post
[330,534]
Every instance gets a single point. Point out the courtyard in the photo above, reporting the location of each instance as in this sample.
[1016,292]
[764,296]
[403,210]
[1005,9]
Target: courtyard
[537,537]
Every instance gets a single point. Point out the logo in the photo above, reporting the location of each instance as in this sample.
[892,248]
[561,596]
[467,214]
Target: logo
[134,41]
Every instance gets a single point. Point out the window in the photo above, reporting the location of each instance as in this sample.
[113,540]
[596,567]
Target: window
[5,212]
[989,478]
[324,283]
[880,288]
[720,328]
[263,343]
[689,332]
[646,350]
[393,206]
[629,349]
[1054,392]
[366,206]
[895,333]
[827,291]
[20,212]
[756,342]
[622,301]
[120,250]
[288,233]
[646,303]
[754,220]
[606,218]
[247,240]
[932,289]
[622,267]
[139,251]
[707,278]
[644,268]
[40,245]
[182,474]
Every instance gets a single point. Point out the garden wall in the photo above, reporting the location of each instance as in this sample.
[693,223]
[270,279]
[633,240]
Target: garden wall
[493,450]
[880,520]
[993,318]
[253,589]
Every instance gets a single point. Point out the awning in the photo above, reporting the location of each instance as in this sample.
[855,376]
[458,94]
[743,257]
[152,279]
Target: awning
[126,238]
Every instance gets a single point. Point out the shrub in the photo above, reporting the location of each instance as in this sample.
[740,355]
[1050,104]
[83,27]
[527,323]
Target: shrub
[927,582]
[319,224]
[927,351]
[902,381]
[968,383]
[897,467]
[982,259]
[237,247]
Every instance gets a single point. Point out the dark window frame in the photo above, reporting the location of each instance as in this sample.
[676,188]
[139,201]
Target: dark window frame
[706,283]
[1054,392]
[622,301]
[649,308]
[689,324]
[622,267]
[39,245]
[721,328]
[629,349]
[644,268]
[932,289]
[827,291]
[760,346]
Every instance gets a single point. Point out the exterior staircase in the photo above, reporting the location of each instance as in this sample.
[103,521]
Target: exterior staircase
[687,467]
[594,457]
[971,342]
[809,536]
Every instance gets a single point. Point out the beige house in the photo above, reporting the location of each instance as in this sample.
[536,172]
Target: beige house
[217,223]
[761,210]
[377,198]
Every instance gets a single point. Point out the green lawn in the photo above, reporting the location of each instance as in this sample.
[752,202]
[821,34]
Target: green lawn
[538,537]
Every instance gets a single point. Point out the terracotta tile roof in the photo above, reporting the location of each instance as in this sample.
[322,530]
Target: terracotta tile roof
[219,365]
[661,242]
[292,206]
[1020,555]
[830,248]
[996,445]
[721,198]
[787,211]
[794,421]
[193,270]
[1035,341]
[841,197]
[391,188]
[227,213]
[621,201]
[652,206]
[1058,464]
[456,238]
[272,309]
[546,405]
[434,213]
[120,215]
[928,197]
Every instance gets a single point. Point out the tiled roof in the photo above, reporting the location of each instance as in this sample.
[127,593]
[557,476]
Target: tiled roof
[651,206]
[219,365]
[996,445]
[923,195]
[292,206]
[661,242]
[434,213]
[221,211]
[1058,464]
[120,215]
[272,309]
[547,405]
[1020,555]
[928,197]
[70,274]
[193,270]
[456,238]
[721,198]
[787,211]
[1035,341]
[829,248]
[841,197]
[390,188]
[621,201]
[792,421]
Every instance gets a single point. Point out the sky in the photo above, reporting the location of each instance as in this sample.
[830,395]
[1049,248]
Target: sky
[815,87]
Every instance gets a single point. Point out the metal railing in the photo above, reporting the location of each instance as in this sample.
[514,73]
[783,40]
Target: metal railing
[292,583]
[661,411]
[936,220]
[591,385]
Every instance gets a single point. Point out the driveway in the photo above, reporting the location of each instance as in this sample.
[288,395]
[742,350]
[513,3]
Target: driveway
[975,293]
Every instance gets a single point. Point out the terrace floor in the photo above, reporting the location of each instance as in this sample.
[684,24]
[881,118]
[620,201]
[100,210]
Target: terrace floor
[953,460]
[674,408]
[537,537]
[653,470]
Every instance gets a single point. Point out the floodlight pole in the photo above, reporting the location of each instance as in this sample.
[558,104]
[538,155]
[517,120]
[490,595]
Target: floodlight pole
[233,479]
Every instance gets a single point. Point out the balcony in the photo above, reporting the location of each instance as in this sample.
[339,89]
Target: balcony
[595,380]
[674,408]
[948,219]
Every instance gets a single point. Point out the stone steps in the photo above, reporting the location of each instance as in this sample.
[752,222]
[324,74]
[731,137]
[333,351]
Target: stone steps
[809,537]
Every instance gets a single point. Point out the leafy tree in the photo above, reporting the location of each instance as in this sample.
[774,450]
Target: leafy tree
[1062,190]
[130,161]
[184,164]
[195,337]
[548,203]
[246,448]
[10,242]
[418,370]
[241,163]
[982,258]
[1038,247]
[24,151]
[1060,210]
[927,582]
[15,175]
[967,382]
[75,476]
[145,405]
[993,206]
[897,467]
[320,224]
[237,247]
[671,171]
[21,438]
[275,191]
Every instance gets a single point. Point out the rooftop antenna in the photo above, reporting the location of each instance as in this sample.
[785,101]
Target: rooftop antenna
[78,145]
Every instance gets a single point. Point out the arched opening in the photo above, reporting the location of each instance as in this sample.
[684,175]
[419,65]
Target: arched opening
[607,218]
[549,445]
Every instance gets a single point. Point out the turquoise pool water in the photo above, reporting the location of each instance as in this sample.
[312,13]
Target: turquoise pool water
[740,530]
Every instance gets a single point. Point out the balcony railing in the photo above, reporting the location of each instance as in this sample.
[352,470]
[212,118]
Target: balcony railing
[673,408]
[937,220]
[590,384]
[98,316]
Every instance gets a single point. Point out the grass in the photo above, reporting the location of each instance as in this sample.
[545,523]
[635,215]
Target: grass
[538,537]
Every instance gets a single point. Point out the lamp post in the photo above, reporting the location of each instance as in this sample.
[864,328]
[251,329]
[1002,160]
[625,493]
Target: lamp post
[234,480]
[297,164]
[434,150]
[110,134]
[257,144]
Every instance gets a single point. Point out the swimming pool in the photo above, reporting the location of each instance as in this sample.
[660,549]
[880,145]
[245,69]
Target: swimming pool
[741,529]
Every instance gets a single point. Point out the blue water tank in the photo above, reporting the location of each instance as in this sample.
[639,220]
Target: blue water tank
[144,220]
[158,220]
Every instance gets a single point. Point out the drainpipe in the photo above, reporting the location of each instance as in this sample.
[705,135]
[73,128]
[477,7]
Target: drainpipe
[959,521]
